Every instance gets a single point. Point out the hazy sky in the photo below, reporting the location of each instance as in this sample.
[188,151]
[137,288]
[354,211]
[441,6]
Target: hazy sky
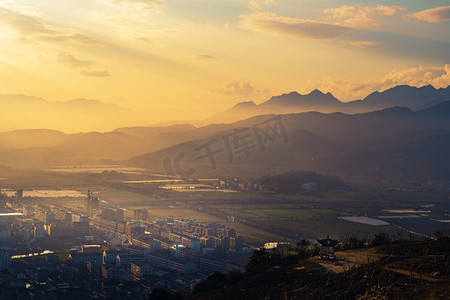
[187,59]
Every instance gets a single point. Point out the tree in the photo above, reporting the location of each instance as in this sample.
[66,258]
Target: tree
[256,261]
[352,241]
[381,238]
[441,234]
[162,294]
[214,281]
[234,276]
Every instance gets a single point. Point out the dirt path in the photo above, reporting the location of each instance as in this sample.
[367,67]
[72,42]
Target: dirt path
[414,274]
[348,259]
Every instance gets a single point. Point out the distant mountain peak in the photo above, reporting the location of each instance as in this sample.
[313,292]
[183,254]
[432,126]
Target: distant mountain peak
[415,98]
[317,92]
[21,97]
[395,110]
[315,97]
[79,114]
[408,96]
[93,102]
[84,100]
[245,104]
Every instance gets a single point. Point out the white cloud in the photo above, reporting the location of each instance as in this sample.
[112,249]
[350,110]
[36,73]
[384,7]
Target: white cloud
[419,76]
[432,15]
[439,77]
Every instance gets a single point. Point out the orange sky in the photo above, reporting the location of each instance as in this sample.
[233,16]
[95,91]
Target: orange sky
[187,60]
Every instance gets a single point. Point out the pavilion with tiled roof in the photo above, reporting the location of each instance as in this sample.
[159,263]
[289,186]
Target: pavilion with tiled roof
[327,250]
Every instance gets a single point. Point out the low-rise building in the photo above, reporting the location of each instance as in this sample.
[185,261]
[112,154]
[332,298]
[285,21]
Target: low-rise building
[81,228]
[94,266]
[124,260]
[141,269]
[133,228]
[25,233]
[159,261]
[85,257]
[5,234]
[180,266]
[110,256]
[111,272]
[309,186]
[211,264]
[28,211]
[59,230]
[5,260]
[38,232]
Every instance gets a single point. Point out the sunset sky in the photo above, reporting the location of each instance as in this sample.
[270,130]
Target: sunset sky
[188,59]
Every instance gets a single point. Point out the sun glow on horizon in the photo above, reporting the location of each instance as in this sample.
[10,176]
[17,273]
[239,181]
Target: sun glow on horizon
[167,60]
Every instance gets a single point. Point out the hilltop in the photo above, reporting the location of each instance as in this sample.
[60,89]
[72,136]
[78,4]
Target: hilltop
[402,270]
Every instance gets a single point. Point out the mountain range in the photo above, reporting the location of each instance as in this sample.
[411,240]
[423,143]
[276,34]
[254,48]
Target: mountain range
[402,95]
[21,112]
[395,142]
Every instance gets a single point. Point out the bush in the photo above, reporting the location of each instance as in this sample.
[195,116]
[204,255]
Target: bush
[381,238]
[352,241]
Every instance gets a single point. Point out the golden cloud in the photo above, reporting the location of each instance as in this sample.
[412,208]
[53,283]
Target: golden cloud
[236,87]
[432,15]
[72,62]
[273,24]
[361,15]
[138,4]
[95,73]
[31,28]
[439,77]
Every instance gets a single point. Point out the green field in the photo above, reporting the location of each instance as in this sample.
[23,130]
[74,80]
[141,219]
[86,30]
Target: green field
[293,213]
[178,213]
[253,235]
[123,196]
[258,217]
[320,228]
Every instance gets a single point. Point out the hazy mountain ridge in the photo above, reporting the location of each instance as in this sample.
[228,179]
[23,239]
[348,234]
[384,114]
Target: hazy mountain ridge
[21,112]
[408,96]
[353,145]
[314,98]
[37,148]
[441,109]
[144,132]
[402,95]
[27,138]
[357,144]
[348,144]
